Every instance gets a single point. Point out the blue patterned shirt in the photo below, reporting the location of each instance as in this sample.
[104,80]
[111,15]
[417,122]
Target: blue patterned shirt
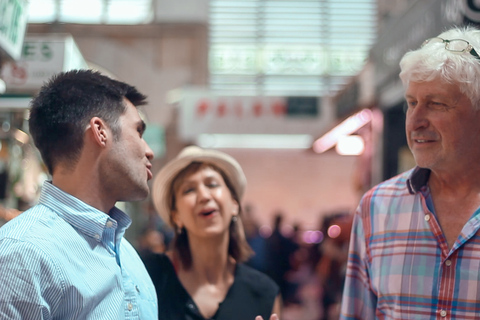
[63,259]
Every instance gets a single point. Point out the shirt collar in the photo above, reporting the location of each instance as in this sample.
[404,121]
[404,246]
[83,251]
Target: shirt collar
[418,178]
[83,217]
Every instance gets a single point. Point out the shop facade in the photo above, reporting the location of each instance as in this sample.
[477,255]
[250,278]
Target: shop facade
[21,169]
[13,24]
[422,20]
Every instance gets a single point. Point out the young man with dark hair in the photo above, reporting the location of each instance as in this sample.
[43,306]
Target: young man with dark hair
[66,257]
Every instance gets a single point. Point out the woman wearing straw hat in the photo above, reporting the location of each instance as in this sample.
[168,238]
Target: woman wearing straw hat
[202,277]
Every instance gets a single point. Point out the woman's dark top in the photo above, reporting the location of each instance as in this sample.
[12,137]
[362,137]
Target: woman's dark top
[251,294]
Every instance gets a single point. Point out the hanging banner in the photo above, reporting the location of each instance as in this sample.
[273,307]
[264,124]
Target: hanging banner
[13,23]
[201,112]
[42,57]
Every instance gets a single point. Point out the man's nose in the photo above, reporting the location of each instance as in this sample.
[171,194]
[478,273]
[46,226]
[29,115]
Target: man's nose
[417,117]
[148,152]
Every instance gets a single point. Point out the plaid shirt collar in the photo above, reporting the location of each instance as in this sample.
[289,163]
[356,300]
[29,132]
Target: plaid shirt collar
[417,179]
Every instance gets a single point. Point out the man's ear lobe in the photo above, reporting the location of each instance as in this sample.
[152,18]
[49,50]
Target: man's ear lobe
[99,130]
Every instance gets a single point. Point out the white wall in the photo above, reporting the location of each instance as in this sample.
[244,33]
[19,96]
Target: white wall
[300,183]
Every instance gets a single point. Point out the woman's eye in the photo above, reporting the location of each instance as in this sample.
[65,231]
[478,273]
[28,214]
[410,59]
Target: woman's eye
[187,190]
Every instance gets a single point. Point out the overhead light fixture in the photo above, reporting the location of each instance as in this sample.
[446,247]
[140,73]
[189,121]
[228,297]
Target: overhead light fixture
[350,145]
[345,128]
[255,141]
[3,86]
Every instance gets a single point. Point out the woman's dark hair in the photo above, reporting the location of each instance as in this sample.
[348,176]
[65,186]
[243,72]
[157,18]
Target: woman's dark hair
[238,247]
[64,106]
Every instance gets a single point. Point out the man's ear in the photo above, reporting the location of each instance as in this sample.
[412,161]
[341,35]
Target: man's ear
[100,131]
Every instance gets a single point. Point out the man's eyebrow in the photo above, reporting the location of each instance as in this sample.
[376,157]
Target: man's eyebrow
[428,96]
[142,126]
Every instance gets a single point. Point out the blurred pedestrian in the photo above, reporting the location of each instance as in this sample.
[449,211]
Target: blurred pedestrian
[151,241]
[332,265]
[279,252]
[255,240]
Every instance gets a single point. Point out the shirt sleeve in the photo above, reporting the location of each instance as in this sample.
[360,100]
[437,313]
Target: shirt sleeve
[30,285]
[359,301]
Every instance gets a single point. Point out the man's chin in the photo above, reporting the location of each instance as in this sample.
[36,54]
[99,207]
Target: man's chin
[140,195]
[423,162]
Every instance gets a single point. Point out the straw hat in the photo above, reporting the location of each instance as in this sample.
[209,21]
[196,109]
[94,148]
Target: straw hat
[161,192]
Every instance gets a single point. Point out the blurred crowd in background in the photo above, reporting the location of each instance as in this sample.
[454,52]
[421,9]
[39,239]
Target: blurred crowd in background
[309,266]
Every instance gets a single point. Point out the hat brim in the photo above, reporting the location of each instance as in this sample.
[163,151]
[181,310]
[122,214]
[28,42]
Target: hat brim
[163,181]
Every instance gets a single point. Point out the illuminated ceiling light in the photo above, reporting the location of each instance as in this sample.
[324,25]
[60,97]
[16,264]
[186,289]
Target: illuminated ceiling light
[3,86]
[85,11]
[41,11]
[350,145]
[255,141]
[348,126]
[334,231]
[312,236]
[90,11]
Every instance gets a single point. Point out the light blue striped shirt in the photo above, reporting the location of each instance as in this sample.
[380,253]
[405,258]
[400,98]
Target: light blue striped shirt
[63,259]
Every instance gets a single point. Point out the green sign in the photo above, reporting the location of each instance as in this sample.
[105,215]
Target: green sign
[154,135]
[13,22]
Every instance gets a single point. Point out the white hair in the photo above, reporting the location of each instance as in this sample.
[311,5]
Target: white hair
[433,61]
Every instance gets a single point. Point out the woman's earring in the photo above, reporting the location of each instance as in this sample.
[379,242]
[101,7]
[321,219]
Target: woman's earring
[234,219]
[178,230]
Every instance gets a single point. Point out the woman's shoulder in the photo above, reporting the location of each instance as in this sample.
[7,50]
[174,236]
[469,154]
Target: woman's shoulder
[159,267]
[155,260]
[254,279]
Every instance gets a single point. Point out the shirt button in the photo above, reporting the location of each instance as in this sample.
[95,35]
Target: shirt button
[109,224]
[448,263]
[443,313]
[130,306]
[427,217]
[97,236]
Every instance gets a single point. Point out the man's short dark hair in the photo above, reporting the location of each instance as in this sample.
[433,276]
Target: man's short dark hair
[64,106]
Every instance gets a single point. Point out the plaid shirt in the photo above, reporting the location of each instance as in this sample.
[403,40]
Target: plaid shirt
[400,266]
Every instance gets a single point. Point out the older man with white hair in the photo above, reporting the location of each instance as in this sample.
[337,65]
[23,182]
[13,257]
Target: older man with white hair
[414,250]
